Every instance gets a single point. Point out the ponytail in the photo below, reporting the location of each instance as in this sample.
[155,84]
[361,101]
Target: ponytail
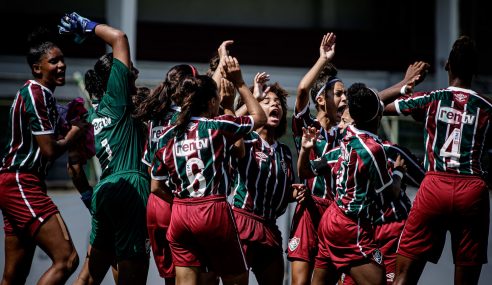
[96,80]
[155,106]
[196,93]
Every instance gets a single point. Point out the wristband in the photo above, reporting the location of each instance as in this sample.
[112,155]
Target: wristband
[398,173]
[403,90]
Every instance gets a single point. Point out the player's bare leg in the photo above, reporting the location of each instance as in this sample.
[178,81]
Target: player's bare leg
[241,279]
[54,239]
[467,275]
[301,272]
[408,271]
[187,275]
[133,271]
[322,276]
[19,253]
[368,274]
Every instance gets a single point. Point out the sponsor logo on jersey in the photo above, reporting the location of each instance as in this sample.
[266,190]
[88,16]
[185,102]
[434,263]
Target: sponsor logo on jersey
[100,123]
[294,243]
[453,116]
[460,97]
[157,132]
[261,157]
[377,256]
[188,147]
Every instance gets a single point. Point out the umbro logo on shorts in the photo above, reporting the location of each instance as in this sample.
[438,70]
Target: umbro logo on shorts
[147,245]
[390,277]
[293,243]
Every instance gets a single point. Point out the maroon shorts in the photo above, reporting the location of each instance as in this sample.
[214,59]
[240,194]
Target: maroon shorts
[345,242]
[261,240]
[203,234]
[158,219]
[303,241]
[454,202]
[387,236]
[24,203]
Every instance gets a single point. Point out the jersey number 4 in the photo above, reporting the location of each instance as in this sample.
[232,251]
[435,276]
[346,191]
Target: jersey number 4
[454,140]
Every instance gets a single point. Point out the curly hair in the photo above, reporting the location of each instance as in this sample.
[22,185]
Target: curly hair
[282,96]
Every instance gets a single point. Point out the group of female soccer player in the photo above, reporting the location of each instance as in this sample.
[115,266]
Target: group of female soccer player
[172,156]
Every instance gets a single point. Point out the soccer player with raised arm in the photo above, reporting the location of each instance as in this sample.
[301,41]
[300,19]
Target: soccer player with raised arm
[263,186]
[120,198]
[346,234]
[193,167]
[453,196]
[326,91]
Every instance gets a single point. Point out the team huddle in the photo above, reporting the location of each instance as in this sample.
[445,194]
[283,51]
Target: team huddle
[199,175]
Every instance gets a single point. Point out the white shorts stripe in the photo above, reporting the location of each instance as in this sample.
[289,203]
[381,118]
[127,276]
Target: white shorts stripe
[23,195]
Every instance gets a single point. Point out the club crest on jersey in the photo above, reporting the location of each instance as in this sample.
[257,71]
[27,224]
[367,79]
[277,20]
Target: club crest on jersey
[377,256]
[262,157]
[294,243]
[157,132]
[188,147]
[100,123]
[284,166]
[453,116]
[460,97]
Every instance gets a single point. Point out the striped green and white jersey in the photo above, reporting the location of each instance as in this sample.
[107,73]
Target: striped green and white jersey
[156,128]
[360,169]
[196,163]
[457,125]
[320,186]
[263,178]
[32,113]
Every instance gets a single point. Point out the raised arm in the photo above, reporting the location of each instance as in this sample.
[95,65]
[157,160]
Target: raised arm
[233,72]
[259,91]
[82,27]
[117,40]
[222,52]
[309,136]
[326,54]
[415,74]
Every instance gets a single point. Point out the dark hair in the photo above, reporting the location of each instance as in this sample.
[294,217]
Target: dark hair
[96,80]
[463,58]
[327,73]
[155,105]
[40,42]
[363,103]
[141,95]
[282,96]
[196,93]
[213,64]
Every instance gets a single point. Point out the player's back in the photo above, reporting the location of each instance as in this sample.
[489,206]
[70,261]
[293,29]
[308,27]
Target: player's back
[457,124]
